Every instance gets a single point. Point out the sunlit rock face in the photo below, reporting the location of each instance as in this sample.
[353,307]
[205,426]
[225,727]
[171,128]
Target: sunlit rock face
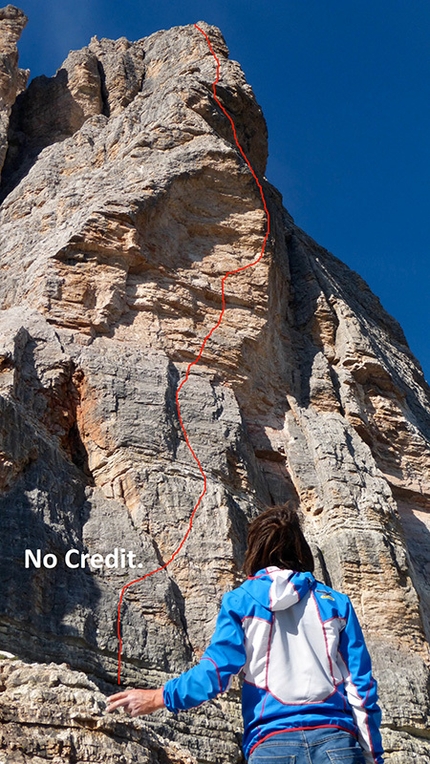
[125,201]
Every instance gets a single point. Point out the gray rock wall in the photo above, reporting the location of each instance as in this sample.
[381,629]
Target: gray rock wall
[12,79]
[124,204]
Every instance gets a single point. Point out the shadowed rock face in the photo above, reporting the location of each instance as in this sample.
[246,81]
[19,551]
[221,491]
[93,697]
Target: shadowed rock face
[12,79]
[124,203]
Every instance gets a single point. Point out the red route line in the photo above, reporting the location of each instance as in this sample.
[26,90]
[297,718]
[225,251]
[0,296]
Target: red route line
[198,357]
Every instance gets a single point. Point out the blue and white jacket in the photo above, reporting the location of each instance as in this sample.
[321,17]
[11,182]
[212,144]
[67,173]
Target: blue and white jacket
[303,657]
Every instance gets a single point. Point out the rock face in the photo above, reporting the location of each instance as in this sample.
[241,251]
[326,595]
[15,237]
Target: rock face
[125,201]
[12,79]
[65,712]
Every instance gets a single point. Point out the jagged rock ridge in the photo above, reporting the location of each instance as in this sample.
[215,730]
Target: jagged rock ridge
[124,202]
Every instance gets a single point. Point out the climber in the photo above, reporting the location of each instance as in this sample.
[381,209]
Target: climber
[308,692]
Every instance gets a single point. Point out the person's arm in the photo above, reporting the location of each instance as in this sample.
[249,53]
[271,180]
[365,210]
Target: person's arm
[137,702]
[361,688]
[224,657]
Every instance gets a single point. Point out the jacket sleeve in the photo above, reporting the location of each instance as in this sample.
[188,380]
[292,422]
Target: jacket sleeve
[224,657]
[360,687]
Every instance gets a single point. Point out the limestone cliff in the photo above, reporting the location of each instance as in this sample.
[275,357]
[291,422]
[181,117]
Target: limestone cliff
[12,79]
[124,202]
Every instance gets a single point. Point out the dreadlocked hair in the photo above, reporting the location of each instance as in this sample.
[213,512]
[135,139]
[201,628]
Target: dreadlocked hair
[276,538]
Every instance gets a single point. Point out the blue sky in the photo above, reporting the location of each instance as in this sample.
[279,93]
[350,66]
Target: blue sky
[344,85]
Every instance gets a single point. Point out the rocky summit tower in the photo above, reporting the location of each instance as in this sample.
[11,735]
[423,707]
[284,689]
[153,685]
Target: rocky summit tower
[124,202]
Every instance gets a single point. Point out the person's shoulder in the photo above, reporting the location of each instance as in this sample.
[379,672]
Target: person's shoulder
[233,595]
[253,589]
[328,594]
[246,587]
[234,601]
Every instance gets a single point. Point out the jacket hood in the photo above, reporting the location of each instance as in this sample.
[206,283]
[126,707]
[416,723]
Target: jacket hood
[286,587]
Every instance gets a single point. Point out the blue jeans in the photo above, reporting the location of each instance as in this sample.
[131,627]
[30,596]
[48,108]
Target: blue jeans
[321,746]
